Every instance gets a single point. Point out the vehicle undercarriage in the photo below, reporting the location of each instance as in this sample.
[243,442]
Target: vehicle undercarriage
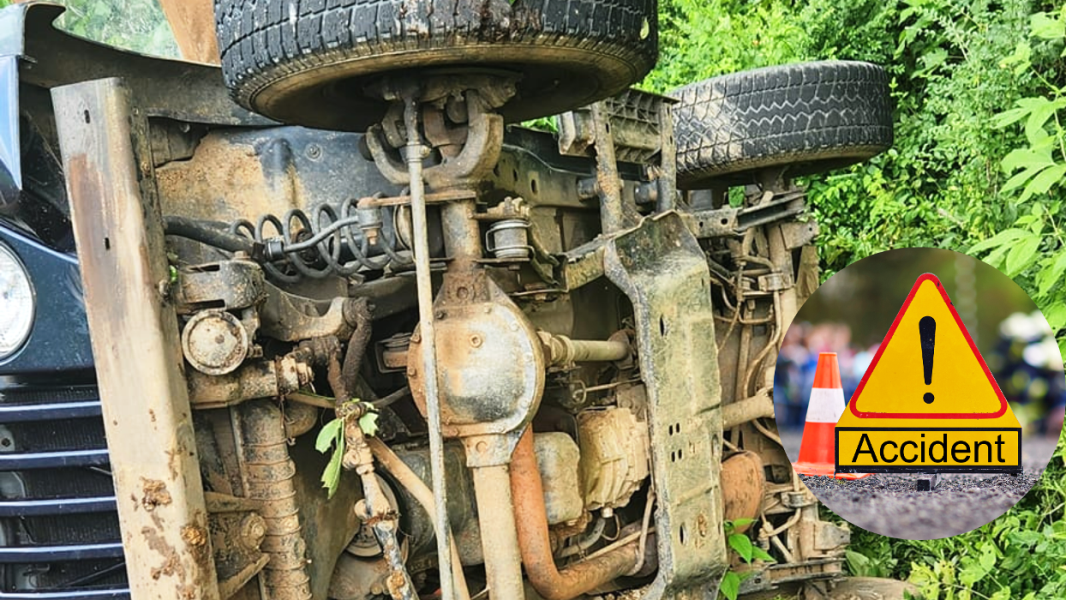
[525,363]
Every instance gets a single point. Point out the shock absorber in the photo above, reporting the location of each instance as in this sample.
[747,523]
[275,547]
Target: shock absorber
[332,240]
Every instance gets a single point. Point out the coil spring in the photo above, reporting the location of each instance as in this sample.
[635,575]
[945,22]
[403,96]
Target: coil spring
[313,247]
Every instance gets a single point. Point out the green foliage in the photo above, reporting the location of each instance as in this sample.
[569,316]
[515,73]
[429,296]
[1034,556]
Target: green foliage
[704,38]
[133,24]
[748,552]
[1034,248]
[331,436]
[939,185]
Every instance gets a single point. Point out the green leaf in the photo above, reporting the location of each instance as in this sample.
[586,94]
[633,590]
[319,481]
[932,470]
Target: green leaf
[988,557]
[1046,27]
[1020,179]
[331,435]
[1026,158]
[1004,237]
[1043,182]
[932,60]
[858,564]
[1052,273]
[742,545]
[1022,254]
[1020,59]
[763,555]
[328,435]
[730,586]
[997,256]
[369,423]
[971,573]
[1009,117]
[1056,315]
[1034,126]
[331,477]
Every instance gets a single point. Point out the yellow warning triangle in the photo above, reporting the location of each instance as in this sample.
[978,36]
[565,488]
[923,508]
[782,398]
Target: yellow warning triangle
[945,379]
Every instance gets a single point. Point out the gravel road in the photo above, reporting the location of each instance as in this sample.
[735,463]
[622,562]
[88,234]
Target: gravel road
[889,505]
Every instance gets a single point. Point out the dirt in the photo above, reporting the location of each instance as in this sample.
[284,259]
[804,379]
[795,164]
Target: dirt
[155,494]
[890,505]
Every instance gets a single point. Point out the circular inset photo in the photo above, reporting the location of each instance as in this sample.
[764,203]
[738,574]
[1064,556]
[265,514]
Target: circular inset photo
[919,393]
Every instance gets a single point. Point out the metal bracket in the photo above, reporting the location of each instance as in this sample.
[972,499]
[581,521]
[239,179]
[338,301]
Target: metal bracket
[228,285]
[468,153]
[775,281]
[731,222]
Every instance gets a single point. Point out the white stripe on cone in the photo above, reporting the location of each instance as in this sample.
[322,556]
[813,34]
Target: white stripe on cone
[826,405]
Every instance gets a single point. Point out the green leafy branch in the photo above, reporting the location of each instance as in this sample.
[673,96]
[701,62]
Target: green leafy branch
[748,552]
[1034,245]
[332,436]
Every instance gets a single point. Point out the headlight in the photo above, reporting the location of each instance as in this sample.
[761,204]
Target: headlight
[16,303]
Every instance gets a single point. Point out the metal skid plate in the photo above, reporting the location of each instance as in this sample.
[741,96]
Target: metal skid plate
[660,267]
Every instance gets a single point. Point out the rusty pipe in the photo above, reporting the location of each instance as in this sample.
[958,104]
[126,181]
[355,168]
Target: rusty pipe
[535,546]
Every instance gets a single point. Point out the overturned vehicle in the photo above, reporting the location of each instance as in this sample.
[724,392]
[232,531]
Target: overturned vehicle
[327,323]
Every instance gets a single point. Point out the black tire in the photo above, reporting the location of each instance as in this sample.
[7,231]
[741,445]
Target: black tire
[810,116]
[308,61]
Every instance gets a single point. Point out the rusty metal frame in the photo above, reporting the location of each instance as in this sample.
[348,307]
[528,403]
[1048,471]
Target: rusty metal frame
[659,265]
[148,421]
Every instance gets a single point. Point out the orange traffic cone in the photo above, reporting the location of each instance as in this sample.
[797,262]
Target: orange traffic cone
[823,411]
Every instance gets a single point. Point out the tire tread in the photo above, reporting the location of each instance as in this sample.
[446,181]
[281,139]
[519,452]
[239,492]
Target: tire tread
[819,115]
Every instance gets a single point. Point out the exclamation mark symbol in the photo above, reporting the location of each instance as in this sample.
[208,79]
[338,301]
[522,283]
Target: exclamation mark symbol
[927,333]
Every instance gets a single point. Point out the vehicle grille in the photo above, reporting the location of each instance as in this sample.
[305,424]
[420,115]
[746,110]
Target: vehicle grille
[59,532]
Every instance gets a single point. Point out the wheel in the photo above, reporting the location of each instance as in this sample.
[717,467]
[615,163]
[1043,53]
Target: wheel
[810,116]
[308,61]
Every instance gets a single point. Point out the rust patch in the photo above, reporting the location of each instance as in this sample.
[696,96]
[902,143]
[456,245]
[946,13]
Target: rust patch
[155,494]
[196,539]
[151,415]
[395,583]
[742,487]
[194,536]
[223,181]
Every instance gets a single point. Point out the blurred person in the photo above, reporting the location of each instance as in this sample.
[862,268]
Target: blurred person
[788,405]
[797,362]
[1028,367]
